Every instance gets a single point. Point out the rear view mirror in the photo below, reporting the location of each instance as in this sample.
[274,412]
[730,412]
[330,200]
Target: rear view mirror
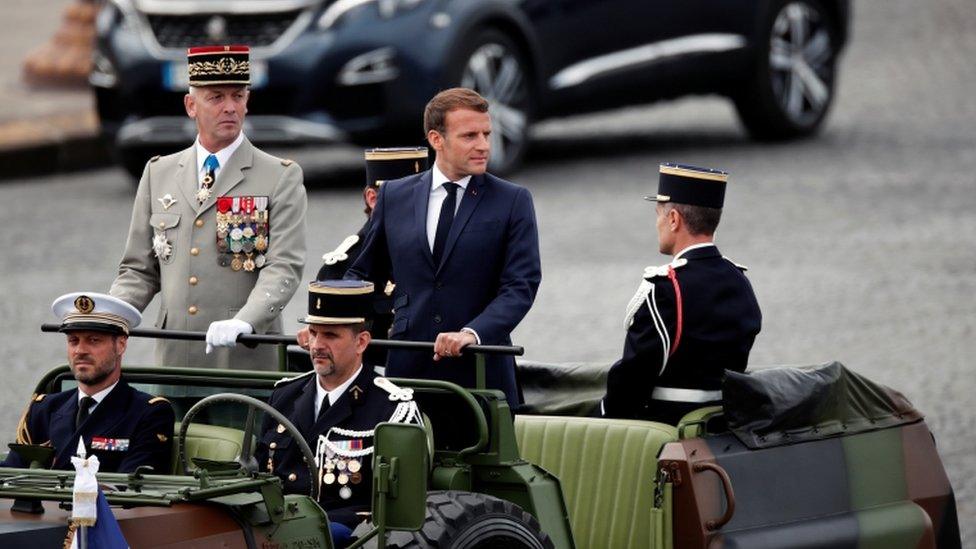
[399,476]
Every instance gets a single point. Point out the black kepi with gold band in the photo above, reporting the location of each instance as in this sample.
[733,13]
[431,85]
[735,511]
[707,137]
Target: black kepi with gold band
[339,302]
[219,65]
[683,184]
[383,165]
[95,312]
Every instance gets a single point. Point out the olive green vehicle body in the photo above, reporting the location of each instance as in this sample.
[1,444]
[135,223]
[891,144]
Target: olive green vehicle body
[589,482]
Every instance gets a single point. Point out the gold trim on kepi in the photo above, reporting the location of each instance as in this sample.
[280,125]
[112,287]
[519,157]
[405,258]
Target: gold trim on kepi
[383,165]
[96,312]
[691,185]
[339,302]
[219,66]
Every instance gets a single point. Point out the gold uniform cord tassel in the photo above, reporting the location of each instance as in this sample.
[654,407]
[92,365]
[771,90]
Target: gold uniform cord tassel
[23,434]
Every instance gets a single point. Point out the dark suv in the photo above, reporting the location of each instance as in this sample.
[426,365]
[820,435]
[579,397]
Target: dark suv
[361,70]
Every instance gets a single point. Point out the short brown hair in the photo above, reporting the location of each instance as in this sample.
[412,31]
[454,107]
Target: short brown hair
[700,220]
[448,100]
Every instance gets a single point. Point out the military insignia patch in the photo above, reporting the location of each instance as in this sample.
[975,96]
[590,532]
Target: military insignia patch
[167,201]
[84,304]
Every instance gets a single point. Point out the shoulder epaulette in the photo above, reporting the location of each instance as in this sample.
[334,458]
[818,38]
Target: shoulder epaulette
[741,267]
[396,392]
[284,380]
[154,400]
[155,158]
[662,270]
[287,162]
[341,252]
[40,397]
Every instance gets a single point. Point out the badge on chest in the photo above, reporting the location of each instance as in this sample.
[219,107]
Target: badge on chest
[243,232]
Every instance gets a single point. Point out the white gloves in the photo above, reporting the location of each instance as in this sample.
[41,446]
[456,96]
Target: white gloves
[223,333]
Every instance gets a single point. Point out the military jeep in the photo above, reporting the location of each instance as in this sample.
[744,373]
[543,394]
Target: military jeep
[816,457]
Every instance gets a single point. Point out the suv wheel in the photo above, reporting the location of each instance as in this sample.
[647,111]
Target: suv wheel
[792,84]
[494,67]
[466,520]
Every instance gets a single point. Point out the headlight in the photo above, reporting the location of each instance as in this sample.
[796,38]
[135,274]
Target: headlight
[387,9]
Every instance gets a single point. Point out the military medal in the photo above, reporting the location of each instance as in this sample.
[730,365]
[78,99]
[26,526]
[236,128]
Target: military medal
[236,264]
[260,260]
[356,478]
[161,247]
[236,246]
[345,492]
[249,264]
[204,193]
[341,465]
[342,479]
[260,243]
[223,260]
[247,246]
[329,478]
[354,466]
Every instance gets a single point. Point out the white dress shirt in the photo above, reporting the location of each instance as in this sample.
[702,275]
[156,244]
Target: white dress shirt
[334,394]
[437,195]
[223,155]
[99,396]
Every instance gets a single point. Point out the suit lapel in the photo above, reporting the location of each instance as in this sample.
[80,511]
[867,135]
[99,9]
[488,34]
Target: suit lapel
[421,198]
[231,174]
[305,407]
[472,197]
[63,430]
[189,183]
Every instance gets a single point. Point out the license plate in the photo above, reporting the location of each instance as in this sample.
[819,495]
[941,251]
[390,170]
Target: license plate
[177,78]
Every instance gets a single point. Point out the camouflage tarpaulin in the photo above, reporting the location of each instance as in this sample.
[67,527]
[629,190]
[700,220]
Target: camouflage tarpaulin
[779,406]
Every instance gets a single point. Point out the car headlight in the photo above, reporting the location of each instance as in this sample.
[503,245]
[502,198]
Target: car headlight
[387,9]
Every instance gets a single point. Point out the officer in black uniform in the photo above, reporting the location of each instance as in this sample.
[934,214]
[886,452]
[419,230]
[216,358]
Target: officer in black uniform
[336,407]
[691,319]
[124,427]
[382,165]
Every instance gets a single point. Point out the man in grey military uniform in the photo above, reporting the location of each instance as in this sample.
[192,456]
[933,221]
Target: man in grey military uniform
[218,230]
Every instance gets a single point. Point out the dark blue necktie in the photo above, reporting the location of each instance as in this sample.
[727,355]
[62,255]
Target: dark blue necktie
[445,220]
[84,409]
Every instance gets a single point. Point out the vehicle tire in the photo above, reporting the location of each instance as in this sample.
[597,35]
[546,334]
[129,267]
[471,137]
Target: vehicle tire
[467,520]
[791,86]
[494,66]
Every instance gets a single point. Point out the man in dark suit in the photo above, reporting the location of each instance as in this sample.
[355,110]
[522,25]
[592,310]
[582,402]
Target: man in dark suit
[691,319]
[462,247]
[124,427]
[336,407]
[382,165]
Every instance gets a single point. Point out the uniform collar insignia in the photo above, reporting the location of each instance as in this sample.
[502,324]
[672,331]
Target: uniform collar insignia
[356,392]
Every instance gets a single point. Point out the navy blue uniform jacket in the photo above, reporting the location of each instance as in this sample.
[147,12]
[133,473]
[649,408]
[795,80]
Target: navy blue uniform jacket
[487,279]
[721,321]
[360,408]
[124,417]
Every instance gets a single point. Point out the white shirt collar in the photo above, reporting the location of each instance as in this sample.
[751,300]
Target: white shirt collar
[223,155]
[99,396]
[693,247]
[334,394]
[438,178]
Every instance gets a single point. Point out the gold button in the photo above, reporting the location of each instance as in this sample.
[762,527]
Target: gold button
[194,251]
[198,223]
[293,477]
[162,224]
[193,281]
[192,310]
[273,445]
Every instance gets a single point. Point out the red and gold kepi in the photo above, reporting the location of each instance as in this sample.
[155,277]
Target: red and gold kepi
[219,65]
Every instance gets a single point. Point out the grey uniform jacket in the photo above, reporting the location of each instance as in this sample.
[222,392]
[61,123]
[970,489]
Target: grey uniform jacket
[196,283]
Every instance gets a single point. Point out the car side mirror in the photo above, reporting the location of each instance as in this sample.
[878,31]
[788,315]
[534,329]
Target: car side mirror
[399,476]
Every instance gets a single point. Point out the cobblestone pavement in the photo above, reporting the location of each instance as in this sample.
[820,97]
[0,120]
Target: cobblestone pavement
[861,243]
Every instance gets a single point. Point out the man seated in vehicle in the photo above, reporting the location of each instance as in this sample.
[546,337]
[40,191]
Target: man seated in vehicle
[691,319]
[124,427]
[335,406]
